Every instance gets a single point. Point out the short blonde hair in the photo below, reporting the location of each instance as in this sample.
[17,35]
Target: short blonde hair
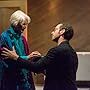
[19,17]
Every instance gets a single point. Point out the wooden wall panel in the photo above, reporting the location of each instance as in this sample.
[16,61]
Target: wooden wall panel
[45,14]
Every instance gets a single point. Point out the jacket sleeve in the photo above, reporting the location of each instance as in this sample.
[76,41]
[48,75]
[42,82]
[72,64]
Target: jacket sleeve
[41,64]
[2,44]
[3,41]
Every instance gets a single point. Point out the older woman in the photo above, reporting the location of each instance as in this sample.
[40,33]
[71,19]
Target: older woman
[12,77]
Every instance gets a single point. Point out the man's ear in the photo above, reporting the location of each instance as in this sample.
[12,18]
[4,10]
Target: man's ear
[62,31]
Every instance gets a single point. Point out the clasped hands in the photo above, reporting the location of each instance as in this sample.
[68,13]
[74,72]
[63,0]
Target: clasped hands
[6,53]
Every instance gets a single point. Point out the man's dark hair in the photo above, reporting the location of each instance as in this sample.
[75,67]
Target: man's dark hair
[68,34]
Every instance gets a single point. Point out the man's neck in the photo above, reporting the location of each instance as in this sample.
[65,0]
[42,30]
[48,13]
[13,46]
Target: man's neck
[60,40]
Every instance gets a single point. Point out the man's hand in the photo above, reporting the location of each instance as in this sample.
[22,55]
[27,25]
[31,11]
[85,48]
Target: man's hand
[34,54]
[9,54]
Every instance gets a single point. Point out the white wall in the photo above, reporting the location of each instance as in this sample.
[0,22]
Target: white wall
[83,72]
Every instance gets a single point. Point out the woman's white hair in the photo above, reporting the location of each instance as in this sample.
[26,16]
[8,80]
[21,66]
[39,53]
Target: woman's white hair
[19,17]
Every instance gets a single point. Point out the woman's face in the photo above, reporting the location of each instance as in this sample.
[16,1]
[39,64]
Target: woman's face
[21,27]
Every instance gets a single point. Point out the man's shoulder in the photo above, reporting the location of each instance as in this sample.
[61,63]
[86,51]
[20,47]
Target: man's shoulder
[56,49]
[63,48]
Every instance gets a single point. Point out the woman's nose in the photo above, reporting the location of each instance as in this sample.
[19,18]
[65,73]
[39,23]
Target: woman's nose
[51,32]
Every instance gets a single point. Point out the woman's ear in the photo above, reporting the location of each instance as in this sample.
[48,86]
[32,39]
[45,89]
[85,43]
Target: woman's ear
[62,31]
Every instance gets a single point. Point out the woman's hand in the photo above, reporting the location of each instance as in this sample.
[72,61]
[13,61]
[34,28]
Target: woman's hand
[9,54]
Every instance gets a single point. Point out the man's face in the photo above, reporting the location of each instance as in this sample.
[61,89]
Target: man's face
[56,33]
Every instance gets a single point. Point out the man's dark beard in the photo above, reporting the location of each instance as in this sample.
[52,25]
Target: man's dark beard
[56,39]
